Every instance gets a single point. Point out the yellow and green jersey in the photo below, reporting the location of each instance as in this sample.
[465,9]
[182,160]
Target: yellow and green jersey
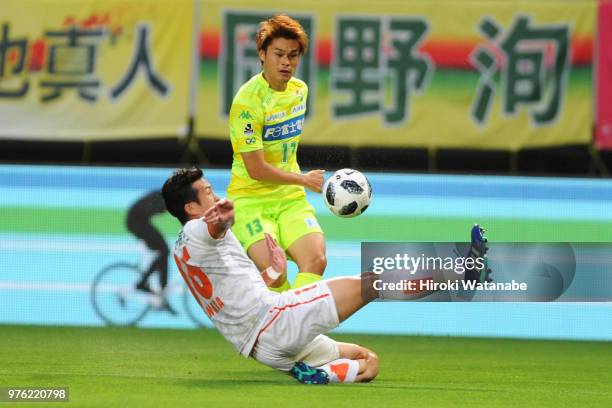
[262,118]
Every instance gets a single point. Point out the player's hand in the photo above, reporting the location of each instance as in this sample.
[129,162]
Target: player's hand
[278,259]
[220,214]
[313,180]
[273,279]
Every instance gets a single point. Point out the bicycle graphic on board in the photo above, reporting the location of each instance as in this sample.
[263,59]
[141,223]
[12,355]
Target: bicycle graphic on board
[117,302]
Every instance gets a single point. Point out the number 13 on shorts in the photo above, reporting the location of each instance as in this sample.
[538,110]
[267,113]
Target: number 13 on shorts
[254,227]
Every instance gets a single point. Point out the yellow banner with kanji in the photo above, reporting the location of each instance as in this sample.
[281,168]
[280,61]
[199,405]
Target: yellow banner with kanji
[95,70]
[437,74]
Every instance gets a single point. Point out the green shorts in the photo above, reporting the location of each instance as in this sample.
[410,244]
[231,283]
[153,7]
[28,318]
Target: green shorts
[285,220]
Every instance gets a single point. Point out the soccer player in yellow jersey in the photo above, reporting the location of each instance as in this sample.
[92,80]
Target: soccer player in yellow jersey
[266,185]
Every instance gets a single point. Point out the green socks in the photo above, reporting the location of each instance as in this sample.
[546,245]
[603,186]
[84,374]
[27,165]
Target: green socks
[285,286]
[305,278]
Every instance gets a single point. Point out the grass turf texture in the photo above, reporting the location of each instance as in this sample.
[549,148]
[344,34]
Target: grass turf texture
[134,367]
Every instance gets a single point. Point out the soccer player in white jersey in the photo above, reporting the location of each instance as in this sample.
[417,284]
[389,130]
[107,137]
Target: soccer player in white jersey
[281,330]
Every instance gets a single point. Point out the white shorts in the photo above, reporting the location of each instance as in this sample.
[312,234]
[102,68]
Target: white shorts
[293,328]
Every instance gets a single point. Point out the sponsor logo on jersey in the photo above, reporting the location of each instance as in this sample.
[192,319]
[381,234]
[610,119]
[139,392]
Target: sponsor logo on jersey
[299,108]
[248,130]
[311,222]
[245,115]
[275,116]
[284,130]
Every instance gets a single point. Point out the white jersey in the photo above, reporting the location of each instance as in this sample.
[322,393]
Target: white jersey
[225,282]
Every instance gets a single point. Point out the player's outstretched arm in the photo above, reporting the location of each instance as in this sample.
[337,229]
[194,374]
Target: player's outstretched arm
[259,169]
[276,273]
[278,258]
[313,180]
[219,217]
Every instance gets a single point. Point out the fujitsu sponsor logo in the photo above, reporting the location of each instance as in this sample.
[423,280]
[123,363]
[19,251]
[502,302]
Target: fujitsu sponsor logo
[284,130]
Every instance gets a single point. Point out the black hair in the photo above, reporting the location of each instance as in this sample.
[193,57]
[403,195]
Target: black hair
[178,191]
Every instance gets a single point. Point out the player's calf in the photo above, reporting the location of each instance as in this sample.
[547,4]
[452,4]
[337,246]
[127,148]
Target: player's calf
[361,364]
[345,370]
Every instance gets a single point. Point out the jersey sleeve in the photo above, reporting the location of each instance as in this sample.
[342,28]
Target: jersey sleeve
[197,231]
[304,87]
[246,120]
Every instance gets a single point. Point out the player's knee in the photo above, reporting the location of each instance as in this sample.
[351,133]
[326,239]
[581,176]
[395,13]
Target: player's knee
[317,264]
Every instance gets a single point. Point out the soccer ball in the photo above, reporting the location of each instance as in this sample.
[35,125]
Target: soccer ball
[347,193]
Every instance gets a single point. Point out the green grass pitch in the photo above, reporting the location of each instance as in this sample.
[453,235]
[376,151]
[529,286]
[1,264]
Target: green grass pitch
[127,367]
